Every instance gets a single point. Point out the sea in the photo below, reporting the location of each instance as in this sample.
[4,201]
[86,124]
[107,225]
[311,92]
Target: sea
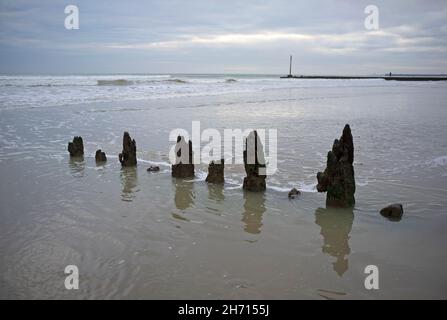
[134,234]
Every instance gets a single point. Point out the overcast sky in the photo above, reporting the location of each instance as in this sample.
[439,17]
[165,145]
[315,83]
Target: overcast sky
[189,36]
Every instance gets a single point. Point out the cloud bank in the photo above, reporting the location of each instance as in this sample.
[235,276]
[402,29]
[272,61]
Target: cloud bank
[223,37]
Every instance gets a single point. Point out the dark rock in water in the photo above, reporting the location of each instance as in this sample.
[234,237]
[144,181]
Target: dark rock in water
[183,170]
[293,193]
[128,157]
[254,163]
[338,178]
[153,169]
[393,211]
[100,156]
[254,183]
[183,167]
[76,148]
[216,172]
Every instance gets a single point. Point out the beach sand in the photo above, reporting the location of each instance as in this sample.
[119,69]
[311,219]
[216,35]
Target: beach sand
[135,234]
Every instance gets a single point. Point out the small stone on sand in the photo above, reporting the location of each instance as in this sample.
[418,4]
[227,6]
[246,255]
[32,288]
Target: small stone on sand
[294,193]
[153,169]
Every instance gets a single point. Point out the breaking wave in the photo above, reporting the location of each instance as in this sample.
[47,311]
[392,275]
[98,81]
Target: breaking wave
[117,82]
[124,82]
[174,81]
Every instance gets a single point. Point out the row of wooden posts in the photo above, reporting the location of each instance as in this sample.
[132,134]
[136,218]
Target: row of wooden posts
[337,180]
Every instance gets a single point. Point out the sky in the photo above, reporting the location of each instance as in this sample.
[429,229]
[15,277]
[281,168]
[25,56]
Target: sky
[210,36]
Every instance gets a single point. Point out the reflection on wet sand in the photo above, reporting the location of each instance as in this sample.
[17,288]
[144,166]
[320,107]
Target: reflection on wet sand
[129,182]
[77,166]
[254,208]
[184,194]
[216,192]
[335,226]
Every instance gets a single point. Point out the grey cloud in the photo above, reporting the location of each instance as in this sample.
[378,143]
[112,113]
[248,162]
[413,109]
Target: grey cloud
[253,36]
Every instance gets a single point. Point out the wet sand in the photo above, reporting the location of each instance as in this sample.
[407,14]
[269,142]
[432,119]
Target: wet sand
[135,234]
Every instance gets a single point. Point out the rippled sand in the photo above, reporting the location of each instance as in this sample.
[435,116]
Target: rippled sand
[135,234]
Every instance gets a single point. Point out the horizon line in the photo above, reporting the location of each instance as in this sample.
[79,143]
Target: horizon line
[206,74]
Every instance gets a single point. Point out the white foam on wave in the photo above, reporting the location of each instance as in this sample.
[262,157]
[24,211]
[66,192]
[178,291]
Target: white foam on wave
[50,91]
[439,162]
[234,187]
[232,181]
[307,187]
[200,175]
[279,189]
[156,163]
[301,186]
